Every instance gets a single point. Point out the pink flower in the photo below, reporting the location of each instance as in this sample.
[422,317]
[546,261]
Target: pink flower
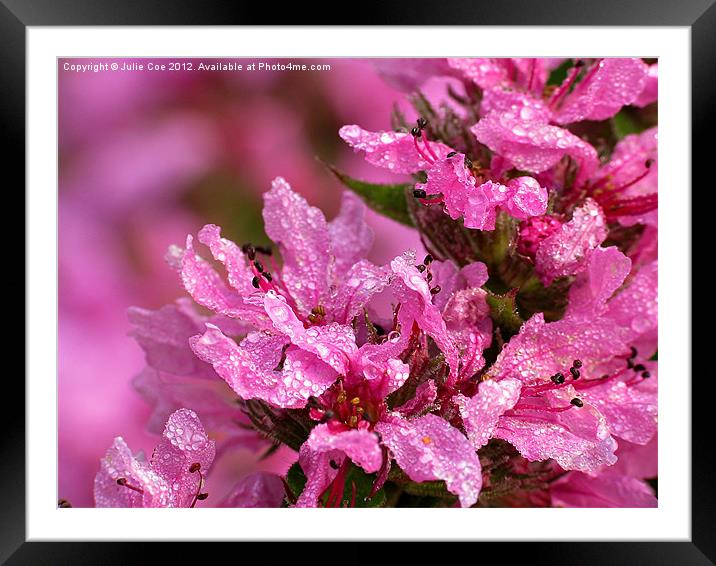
[176,378]
[302,312]
[606,489]
[582,380]
[257,490]
[174,476]
[567,250]
[451,180]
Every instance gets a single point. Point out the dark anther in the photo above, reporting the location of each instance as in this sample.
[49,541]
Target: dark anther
[265,250]
[415,132]
[575,373]
[422,122]
[255,282]
[579,63]
[577,402]
[452,154]
[639,367]
[267,275]
[202,496]
[333,464]
[121,481]
[645,374]
[64,503]
[435,290]
[630,363]
[429,277]
[468,162]
[249,250]
[648,163]
[379,330]
[195,467]
[419,193]
[428,259]
[258,266]
[633,352]
[420,268]
[557,378]
[577,363]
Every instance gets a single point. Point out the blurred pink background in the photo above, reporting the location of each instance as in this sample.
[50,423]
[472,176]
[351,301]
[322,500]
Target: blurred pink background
[148,157]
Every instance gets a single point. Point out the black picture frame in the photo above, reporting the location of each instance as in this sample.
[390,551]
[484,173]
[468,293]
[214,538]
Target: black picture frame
[698,15]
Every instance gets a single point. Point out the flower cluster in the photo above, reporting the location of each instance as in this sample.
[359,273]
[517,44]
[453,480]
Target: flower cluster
[514,365]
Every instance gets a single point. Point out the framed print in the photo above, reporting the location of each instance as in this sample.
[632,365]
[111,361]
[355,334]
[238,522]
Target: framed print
[359,283]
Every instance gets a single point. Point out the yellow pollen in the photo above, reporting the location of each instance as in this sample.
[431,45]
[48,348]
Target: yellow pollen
[355,400]
[352,421]
[427,440]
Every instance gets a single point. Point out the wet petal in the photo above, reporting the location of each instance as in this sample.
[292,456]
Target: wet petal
[119,462]
[360,283]
[615,82]
[394,151]
[301,231]
[635,309]
[184,443]
[207,288]
[230,255]
[577,439]
[650,93]
[429,448]
[333,343]
[534,146]
[351,237]
[607,268]
[250,369]
[481,413]
[360,445]
[567,250]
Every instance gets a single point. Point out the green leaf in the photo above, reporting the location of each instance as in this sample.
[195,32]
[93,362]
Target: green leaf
[624,123]
[557,76]
[296,479]
[503,310]
[388,200]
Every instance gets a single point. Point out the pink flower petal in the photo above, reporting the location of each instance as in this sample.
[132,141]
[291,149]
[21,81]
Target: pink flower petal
[542,349]
[249,369]
[255,491]
[607,268]
[428,448]
[485,73]
[532,145]
[526,198]
[567,250]
[604,490]
[319,473]
[333,343]
[518,103]
[616,82]
[228,253]
[183,445]
[359,284]
[391,150]
[635,309]
[424,397]
[360,445]
[577,438]
[207,288]
[351,237]
[164,336]
[630,410]
[650,93]
[119,463]
[301,231]
[412,291]
[481,413]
